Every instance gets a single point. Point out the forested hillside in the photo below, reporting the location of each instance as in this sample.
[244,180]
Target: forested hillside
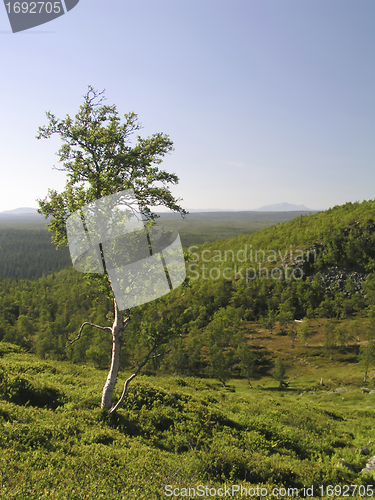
[318,266]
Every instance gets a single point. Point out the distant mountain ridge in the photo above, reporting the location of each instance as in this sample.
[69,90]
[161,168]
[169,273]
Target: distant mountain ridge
[20,212]
[277,207]
[284,207]
[29,212]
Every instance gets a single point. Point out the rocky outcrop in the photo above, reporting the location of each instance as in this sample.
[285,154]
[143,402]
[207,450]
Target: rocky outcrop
[370,466]
[334,278]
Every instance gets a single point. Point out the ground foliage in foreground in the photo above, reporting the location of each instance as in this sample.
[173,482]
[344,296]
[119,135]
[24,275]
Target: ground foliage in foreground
[57,443]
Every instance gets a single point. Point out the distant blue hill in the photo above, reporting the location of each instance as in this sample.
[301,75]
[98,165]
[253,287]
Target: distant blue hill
[28,212]
[284,207]
[20,212]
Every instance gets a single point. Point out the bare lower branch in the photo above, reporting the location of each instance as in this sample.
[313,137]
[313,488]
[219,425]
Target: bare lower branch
[160,354]
[286,384]
[80,331]
[139,367]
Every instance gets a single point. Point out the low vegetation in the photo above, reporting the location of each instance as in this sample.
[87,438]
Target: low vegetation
[180,431]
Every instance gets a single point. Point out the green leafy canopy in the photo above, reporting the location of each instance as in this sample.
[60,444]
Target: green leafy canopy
[100,160]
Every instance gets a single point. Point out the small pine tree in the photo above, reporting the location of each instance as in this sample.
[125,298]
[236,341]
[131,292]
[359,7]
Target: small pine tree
[304,331]
[330,335]
[367,352]
[218,366]
[247,362]
[268,322]
[279,372]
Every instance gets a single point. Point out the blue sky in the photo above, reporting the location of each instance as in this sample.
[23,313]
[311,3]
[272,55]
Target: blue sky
[266,100]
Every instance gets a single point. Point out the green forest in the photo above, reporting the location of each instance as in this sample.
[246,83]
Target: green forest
[28,253]
[317,266]
[266,378]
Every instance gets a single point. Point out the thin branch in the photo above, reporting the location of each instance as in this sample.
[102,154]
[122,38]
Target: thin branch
[290,380]
[140,366]
[80,331]
[160,354]
[126,322]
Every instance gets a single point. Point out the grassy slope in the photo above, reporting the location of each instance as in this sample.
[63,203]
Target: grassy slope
[57,443]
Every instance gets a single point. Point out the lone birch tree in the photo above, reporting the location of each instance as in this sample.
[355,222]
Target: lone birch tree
[100,160]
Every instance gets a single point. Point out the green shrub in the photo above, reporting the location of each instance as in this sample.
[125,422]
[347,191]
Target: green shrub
[21,391]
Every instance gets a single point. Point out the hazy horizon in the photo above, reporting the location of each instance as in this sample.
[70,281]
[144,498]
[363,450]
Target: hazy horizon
[292,208]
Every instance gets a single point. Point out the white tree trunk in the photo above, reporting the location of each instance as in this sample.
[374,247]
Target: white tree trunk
[117,329]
